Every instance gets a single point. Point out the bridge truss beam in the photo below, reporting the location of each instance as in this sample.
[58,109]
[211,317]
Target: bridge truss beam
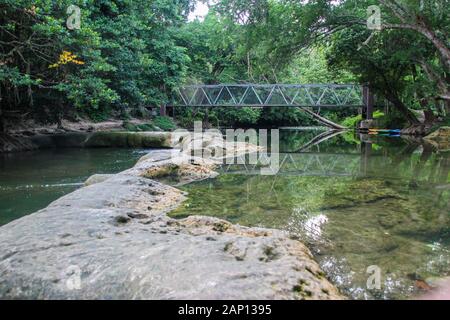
[270,95]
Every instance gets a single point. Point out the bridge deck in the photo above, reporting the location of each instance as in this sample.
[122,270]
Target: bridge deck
[270,95]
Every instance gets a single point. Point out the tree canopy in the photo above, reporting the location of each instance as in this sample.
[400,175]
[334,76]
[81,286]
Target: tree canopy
[128,55]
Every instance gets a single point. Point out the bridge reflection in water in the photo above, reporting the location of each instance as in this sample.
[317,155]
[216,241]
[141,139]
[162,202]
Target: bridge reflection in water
[304,162]
[355,200]
[310,159]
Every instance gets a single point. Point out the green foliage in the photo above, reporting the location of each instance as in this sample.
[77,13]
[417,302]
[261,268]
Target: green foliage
[407,64]
[128,126]
[131,54]
[311,66]
[164,123]
[349,137]
[239,117]
[157,124]
[352,122]
[285,117]
[219,117]
[187,116]
[126,56]
[392,120]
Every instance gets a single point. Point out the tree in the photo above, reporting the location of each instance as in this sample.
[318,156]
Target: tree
[288,27]
[128,55]
[425,17]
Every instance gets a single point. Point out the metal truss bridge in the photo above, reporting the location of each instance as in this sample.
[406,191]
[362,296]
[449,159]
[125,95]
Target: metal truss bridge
[271,95]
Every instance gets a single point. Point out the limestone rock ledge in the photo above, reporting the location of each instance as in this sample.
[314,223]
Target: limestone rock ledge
[440,139]
[113,240]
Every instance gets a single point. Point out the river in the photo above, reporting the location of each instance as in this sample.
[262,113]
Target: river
[359,203]
[379,207]
[31,180]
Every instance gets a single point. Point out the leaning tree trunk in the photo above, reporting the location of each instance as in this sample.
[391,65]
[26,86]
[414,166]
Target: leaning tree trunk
[440,45]
[323,120]
[404,110]
[411,21]
[443,82]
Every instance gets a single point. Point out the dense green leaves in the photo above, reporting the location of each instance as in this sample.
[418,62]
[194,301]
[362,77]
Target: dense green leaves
[130,58]
[129,55]
[407,62]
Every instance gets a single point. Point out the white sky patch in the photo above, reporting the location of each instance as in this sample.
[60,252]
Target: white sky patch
[200,12]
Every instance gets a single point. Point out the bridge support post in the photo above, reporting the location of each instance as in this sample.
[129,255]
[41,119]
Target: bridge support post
[368,100]
[162,110]
[366,152]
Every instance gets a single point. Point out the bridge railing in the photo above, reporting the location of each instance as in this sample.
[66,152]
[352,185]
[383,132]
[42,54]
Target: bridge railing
[270,95]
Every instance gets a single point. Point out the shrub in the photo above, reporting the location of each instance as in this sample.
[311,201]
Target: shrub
[352,122]
[164,123]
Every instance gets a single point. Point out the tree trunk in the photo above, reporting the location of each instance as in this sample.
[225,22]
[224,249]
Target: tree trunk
[2,123]
[443,50]
[429,116]
[409,20]
[404,110]
[441,81]
[29,89]
[323,120]
[319,139]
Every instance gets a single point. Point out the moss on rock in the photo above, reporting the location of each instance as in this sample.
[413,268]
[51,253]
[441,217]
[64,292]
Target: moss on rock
[129,140]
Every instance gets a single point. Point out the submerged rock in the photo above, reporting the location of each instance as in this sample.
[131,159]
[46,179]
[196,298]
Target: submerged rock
[182,169]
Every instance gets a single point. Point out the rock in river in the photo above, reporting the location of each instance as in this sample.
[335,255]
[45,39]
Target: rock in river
[113,240]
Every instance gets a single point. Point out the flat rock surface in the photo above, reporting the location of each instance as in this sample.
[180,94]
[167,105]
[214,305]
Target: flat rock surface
[440,139]
[113,240]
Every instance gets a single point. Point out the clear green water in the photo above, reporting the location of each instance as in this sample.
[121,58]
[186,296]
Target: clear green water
[354,204]
[385,203]
[29,181]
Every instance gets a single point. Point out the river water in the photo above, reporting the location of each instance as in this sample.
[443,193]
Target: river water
[357,202]
[380,206]
[29,181]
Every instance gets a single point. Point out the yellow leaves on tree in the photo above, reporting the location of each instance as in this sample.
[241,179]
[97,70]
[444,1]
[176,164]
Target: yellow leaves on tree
[66,57]
[31,10]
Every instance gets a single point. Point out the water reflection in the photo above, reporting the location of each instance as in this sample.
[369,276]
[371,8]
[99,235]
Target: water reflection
[355,200]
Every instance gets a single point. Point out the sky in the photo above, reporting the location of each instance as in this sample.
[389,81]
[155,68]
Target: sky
[201,10]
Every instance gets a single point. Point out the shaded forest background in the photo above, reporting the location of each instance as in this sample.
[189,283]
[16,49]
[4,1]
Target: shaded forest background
[130,55]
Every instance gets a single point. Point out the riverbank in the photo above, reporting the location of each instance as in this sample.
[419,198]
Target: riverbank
[31,136]
[114,240]
[31,128]
[110,139]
